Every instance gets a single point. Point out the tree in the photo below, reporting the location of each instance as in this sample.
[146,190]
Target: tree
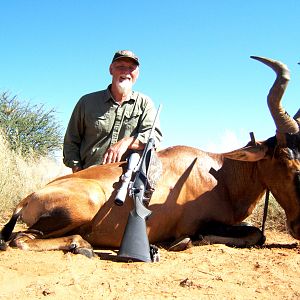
[29,128]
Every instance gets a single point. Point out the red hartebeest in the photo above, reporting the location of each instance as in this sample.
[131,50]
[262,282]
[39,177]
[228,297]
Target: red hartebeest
[196,188]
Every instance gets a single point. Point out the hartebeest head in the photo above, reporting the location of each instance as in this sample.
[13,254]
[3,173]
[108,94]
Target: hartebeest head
[282,169]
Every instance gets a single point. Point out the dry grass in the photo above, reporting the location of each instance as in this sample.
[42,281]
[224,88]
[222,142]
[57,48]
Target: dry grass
[275,217]
[20,176]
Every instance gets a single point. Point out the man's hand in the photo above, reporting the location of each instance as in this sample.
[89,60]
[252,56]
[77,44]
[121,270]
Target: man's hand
[116,151]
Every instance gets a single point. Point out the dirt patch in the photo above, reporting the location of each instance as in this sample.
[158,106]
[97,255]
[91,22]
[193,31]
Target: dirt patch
[201,272]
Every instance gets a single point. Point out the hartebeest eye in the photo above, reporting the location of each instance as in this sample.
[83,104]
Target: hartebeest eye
[297,181]
[293,144]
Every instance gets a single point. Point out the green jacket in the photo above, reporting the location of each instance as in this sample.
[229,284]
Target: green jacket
[97,122]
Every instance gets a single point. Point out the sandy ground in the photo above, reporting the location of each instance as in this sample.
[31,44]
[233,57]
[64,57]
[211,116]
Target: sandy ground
[201,272]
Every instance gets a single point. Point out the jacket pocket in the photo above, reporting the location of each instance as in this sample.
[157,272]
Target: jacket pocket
[131,121]
[100,123]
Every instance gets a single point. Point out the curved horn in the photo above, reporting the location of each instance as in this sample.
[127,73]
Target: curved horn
[284,123]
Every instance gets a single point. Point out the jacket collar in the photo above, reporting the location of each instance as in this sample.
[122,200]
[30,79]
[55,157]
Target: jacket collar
[108,95]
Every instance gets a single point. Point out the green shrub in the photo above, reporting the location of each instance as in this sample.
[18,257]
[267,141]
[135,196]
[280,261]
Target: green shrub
[29,128]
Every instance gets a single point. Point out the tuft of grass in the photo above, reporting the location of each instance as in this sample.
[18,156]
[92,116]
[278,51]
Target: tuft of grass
[276,219]
[20,176]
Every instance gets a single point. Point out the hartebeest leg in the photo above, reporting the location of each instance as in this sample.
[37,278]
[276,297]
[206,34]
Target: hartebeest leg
[241,236]
[73,243]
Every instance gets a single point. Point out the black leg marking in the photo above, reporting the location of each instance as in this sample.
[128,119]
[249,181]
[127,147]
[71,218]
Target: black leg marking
[52,221]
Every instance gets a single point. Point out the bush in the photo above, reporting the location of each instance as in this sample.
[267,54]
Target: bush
[20,176]
[29,128]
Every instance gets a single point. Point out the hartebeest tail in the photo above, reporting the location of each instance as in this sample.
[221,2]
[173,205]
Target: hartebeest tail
[8,228]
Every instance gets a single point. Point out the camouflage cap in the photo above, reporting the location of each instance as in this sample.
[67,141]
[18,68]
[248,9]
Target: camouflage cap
[125,54]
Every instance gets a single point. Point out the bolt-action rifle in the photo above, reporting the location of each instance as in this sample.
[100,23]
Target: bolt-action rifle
[135,244]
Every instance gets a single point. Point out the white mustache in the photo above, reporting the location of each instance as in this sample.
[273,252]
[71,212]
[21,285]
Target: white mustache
[125,77]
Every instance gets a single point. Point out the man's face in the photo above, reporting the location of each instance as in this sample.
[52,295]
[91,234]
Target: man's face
[124,73]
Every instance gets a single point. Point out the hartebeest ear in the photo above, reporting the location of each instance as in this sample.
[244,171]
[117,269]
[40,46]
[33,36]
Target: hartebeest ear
[248,153]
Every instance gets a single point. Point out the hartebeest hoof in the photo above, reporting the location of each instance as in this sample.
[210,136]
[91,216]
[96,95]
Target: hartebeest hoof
[85,251]
[3,245]
[154,253]
[181,244]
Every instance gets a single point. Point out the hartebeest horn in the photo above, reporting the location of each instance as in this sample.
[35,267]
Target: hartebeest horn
[284,123]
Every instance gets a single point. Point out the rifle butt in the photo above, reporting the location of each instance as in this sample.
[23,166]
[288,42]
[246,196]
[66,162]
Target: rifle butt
[135,244]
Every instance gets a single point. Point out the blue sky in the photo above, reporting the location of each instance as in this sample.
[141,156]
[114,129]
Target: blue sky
[194,59]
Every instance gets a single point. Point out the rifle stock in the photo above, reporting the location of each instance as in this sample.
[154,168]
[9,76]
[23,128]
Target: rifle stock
[135,244]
